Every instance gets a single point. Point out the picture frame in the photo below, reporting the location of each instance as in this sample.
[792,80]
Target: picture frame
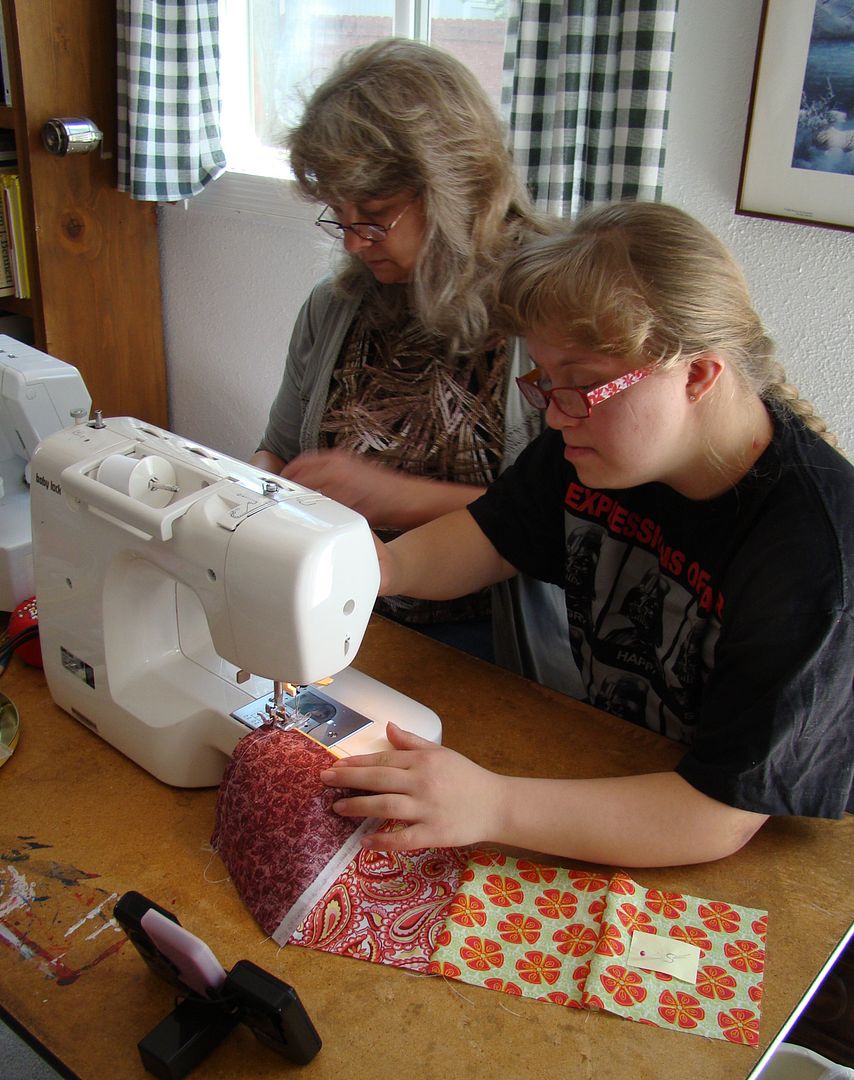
[798,158]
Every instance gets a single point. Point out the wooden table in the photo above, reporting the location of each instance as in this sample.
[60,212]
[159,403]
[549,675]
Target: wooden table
[81,824]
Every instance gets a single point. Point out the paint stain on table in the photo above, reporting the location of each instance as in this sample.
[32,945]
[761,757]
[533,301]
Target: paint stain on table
[52,914]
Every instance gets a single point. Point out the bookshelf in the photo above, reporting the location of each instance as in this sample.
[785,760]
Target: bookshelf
[92,251]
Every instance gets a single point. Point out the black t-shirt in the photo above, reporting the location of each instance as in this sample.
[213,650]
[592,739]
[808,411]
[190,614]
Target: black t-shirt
[726,624]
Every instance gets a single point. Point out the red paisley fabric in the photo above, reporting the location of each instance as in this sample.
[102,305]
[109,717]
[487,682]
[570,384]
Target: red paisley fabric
[386,907]
[275,829]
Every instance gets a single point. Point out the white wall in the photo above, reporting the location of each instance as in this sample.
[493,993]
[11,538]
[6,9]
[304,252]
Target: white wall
[233,282]
[232,286]
[801,276]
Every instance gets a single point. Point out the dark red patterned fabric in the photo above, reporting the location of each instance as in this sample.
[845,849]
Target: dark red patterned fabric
[275,830]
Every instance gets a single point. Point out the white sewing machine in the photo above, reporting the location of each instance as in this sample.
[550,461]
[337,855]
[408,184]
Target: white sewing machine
[178,589]
[38,396]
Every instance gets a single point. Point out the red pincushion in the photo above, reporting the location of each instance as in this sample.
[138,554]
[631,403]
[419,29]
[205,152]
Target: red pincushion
[22,618]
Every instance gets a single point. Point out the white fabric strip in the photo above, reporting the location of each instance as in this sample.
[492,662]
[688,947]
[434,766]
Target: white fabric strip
[307,899]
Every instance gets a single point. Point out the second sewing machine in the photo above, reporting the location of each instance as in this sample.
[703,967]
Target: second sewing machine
[180,591]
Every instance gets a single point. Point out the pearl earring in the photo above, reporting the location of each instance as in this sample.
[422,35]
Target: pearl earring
[692,397]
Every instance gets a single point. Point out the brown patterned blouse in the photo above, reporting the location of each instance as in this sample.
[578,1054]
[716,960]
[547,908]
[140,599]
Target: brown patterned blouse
[398,398]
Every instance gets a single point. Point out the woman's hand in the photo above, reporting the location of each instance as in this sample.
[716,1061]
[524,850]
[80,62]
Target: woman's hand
[348,478]
[443,799]
[387,498]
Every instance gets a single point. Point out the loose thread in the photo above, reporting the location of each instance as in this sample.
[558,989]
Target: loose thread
[213,881]
[453,989]
[450,985]
[506,1008]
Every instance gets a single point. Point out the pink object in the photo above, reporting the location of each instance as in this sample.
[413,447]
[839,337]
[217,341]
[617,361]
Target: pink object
[195,963]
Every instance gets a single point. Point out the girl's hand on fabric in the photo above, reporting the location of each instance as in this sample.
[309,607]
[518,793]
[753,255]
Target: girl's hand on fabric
[378,493]
[442,798]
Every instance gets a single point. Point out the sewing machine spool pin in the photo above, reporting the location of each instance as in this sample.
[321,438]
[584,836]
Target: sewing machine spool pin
[158,485]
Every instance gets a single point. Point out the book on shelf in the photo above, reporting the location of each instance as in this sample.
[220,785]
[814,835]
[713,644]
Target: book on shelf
[13,213]
[7,281]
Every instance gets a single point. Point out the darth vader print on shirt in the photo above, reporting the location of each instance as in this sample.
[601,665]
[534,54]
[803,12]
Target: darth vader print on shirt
[642,635]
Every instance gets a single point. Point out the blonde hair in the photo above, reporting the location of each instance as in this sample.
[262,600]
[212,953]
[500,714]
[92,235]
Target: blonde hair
[398,116]
[648,282]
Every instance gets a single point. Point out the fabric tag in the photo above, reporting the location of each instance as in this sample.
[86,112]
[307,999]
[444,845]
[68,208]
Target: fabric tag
[678,959]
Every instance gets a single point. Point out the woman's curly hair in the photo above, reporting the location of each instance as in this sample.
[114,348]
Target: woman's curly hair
[401,116]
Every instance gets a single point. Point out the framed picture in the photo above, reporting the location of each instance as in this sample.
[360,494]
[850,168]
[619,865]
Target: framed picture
[798,161]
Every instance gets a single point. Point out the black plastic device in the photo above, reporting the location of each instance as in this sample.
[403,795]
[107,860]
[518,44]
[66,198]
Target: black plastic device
[128,913]
[250,995]
[185,1038]
[273,1010]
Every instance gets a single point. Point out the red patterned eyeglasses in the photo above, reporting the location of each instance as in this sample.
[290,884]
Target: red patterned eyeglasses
[572,400]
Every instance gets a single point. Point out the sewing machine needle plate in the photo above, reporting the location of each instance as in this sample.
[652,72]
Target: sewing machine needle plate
[311,711]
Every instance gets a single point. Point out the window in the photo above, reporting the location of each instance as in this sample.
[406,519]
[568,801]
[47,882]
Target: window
[272,49]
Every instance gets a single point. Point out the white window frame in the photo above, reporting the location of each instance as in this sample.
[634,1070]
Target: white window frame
[272,197]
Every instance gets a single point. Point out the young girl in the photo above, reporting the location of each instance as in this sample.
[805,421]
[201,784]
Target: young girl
[702,528]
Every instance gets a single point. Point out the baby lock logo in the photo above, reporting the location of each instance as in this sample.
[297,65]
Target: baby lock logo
[48,485]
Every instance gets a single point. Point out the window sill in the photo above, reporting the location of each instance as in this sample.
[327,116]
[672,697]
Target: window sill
[268,197]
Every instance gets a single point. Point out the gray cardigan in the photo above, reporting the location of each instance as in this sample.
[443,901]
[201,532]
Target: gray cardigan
[529,616]
[316,341]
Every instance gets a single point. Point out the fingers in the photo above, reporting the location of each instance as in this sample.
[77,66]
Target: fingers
[318,461]
[313,469]
[384,806]
[394,783]
[401,739]
[375,778]
[338,474]
[298,465]
[406,839]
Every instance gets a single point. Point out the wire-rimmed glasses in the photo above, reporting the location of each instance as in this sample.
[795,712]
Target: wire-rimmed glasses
[365,230]
[572,400]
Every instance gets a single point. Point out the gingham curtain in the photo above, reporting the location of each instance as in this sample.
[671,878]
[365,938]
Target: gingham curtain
[168,96]
[586,86]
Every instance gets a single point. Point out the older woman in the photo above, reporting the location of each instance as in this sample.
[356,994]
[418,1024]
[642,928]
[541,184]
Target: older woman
[398,396]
